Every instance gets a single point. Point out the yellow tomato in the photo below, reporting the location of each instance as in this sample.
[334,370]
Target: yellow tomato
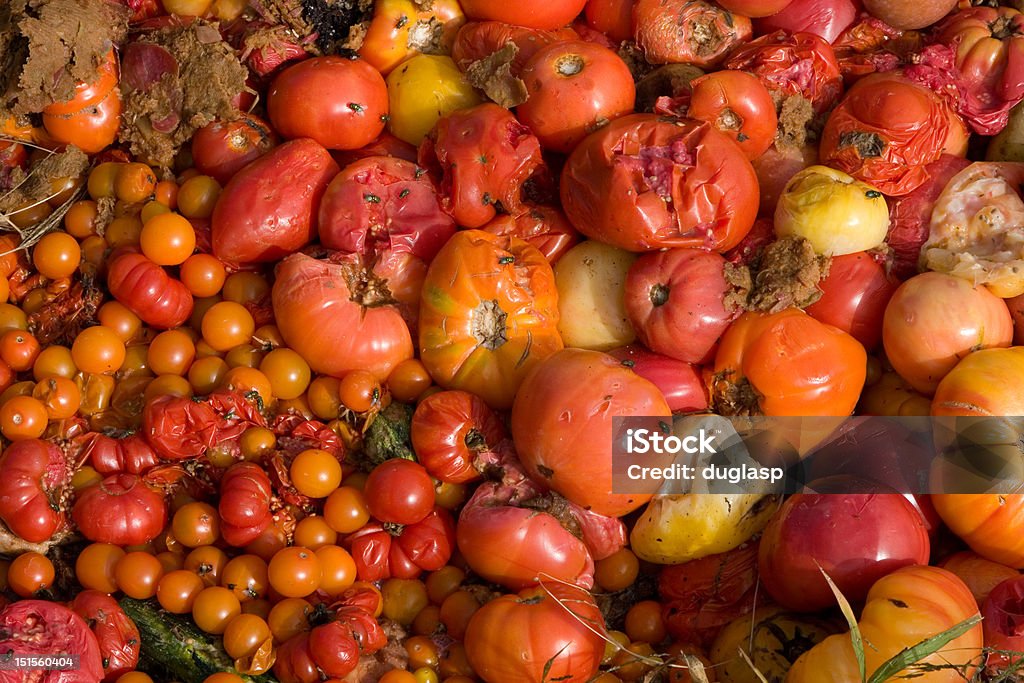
[591,281]
[422,90]
[835,212]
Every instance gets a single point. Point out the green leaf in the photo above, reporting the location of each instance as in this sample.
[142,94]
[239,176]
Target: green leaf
[851,620]
[922,650]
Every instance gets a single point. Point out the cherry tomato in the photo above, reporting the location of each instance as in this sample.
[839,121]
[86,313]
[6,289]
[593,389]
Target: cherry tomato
[399,491]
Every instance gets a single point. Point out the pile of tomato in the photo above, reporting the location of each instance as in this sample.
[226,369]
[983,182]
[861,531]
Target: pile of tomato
[337,389]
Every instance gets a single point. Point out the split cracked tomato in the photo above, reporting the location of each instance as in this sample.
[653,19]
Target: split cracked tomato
[488,315]
[687,31]
[643,183]
[39,628]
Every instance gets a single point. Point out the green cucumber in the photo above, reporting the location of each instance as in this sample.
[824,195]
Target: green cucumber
[174,645]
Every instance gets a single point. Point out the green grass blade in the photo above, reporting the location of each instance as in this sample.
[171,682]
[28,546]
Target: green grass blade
[922,650]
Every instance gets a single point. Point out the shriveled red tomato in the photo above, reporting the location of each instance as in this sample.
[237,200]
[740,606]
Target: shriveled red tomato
[824,18]
[269,208]
[449,429]
[855,538]
[488,314]
[244,504]
[553,410]
[40,628]
[121,509]
[144,287]
[107,455]
[380,204]
[482,158]
[933,320]
[989,46]
[294,662]
[542,14]
[687,31]
[679,381]
[977,573]
[394,32]
[117,635]
[854,296]
[356,327]
[33,473]
[573,88]
[643,183]
[220,149]
[987,522]
[701,596]
[787,363]
[885,132]
[738,104]
[544,227]
[340,103]
[675,300]
[1003,624]
[559,626]
[382,553]
[180,428]
[479,39]
[793,64]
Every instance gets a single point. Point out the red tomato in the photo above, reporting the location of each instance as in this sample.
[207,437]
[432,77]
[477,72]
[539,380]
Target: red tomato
[294,662]
[399,492]
[676,302]
[737,104]
[573,88]
[755,8]
[977,573]
[220,149]
[557,626]
[614,18]
[553,409]
[701,596]
[379,204]
[482,157]
[40,627]
[679,381]
[32,474]
[244,505]
[269,208]
[350,335]
[147,290]
[180,428]
[775,168]
[542,14]
[544,227]
[1003,624]
[824,18]
[116,633]
[479,39]
[381,553]
[933,320]
[449,429]
[910,14]
[644,183]
[854,296]
[885,132]
[793,64]
[120,509]
[386,145]
[340,103]
[687,31]
[107,455]
[855,538]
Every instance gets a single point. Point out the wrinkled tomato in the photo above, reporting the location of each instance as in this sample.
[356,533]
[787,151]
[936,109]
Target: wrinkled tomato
[42,628]
[449,429]
[117,635]
[687,31]
[33,477]
[544,227]
[381,552]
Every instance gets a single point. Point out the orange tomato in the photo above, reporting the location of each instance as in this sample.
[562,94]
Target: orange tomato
[387,41]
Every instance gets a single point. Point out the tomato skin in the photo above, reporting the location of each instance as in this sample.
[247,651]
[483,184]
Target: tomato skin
[41,627]
[144,287]
[32,472]
[933,320]
[116,633]
[310,294]
[381,203]
[268,209]
[478,39]
[1001,615]
[340,103]
[222,148]
[622,182]
[680,382]
[676,302]
[903,608]
[488,314]
[481,156]
[449,429]
[824,18]
[856,539]
[755,8]
[885,131]
[121,509]
[180,428]
[540,14]
[854,296]
[244,505]
[977,573]
[687,31]
[425,545]
[574,87]
[796,365]
[583,472]
[555,635]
